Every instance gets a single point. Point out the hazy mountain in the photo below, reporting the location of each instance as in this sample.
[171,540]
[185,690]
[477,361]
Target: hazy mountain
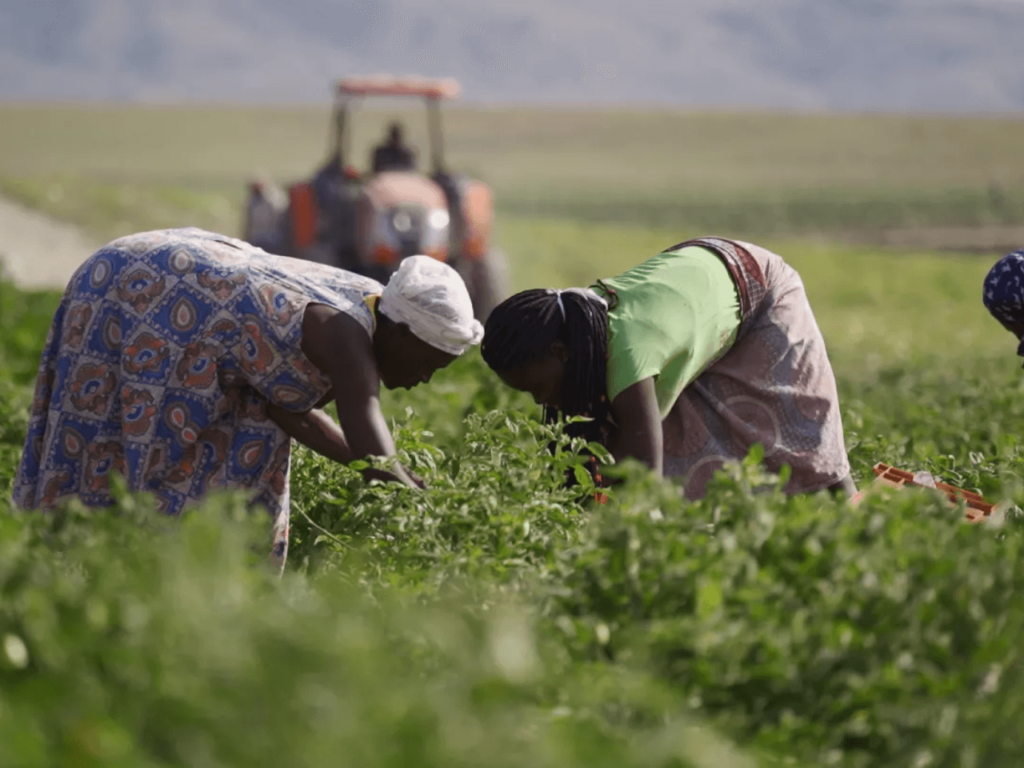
[954,55]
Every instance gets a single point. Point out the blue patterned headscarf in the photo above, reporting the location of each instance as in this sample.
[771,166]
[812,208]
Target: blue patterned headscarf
[1004,288]
[1004,291]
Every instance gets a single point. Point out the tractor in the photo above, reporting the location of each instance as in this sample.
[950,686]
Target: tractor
[367,222]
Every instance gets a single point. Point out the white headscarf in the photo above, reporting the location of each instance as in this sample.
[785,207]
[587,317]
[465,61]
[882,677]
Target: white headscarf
[431,298]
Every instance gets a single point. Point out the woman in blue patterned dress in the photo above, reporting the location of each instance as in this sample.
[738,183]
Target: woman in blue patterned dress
[186,361]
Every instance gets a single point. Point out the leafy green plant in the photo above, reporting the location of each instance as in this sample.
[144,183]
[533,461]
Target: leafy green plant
[869,635]
[130,639]
[495,509]
[499,617]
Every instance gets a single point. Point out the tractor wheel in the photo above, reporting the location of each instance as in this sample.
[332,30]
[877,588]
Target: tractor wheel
[488,282]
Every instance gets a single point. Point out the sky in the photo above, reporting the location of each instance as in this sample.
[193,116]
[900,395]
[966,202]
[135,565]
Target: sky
[889,55]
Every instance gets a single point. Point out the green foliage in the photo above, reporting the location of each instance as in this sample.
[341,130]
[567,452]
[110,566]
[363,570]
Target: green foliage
[495,510]
[497,617]
[130,640]
[869,636]
[962,423]
[24,322]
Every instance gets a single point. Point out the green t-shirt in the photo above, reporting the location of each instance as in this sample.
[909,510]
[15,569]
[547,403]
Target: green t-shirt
[677,313]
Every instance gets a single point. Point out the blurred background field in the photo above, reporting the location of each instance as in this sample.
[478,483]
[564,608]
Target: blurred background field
[950,183]
[860,204]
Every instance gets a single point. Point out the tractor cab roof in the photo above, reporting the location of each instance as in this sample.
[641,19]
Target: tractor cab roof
[388,85]
[433,91]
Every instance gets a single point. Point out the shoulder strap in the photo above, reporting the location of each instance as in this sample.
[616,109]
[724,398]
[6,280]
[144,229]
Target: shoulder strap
[746,272]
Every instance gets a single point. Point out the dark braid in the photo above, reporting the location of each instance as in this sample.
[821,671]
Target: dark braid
[523,327]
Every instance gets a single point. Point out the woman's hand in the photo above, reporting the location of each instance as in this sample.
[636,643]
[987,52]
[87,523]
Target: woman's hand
[401,475]
[420,482]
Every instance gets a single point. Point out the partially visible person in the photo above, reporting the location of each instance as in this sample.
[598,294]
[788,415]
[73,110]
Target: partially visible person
[684,362]
[393,154]
[1003,294]
[186,361]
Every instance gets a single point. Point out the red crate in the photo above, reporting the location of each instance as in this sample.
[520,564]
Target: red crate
[977,507]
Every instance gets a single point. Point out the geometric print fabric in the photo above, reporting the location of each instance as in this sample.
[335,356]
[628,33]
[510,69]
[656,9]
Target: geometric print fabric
[159,363]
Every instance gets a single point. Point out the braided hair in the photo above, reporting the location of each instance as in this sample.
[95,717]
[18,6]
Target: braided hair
[523,327]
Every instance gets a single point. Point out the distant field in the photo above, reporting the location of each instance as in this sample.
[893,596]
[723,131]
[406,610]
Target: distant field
[953,183]
[530,149]
[794,183]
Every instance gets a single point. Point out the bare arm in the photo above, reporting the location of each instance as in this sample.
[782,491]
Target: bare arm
[315,430]
[340,347]
[319,432]
[639,435]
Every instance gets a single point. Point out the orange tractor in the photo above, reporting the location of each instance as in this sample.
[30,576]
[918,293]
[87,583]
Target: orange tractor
[368,222]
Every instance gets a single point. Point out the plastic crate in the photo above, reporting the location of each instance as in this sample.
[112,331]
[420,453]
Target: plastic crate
[977,507]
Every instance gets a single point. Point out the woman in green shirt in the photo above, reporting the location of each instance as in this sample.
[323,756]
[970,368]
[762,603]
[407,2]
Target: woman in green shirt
[684,362]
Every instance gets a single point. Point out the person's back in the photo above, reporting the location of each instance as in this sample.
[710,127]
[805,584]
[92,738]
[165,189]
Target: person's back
[393,155]
[684,362]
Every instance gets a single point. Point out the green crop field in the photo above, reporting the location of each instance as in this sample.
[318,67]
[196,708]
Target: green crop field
[495,618]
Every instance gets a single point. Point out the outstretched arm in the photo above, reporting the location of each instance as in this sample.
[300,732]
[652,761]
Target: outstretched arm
[319,432]
[315,430]
[639,435]
[339,346]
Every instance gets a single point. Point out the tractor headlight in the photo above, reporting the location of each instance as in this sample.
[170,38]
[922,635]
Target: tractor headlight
[401,221]
[438,219]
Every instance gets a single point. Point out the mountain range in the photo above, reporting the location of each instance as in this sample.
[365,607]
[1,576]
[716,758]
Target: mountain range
[862,55]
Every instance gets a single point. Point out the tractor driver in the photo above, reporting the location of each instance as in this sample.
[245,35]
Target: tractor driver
[393,154]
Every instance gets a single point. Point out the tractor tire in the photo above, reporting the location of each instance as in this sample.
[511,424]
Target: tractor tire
[488,282]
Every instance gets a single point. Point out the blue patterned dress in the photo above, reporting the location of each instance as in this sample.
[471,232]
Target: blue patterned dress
[160,361]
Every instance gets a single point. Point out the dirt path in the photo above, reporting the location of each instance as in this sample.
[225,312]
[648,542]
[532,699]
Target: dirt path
[37,251]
